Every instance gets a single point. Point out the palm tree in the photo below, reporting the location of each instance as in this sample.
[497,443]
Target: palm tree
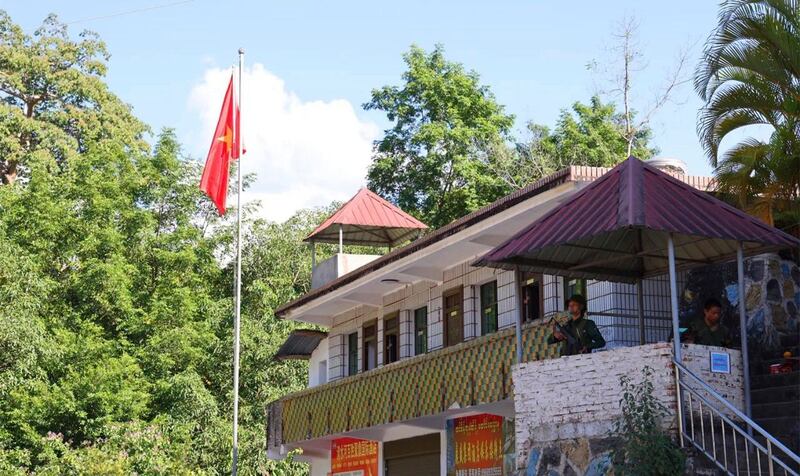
[750,76]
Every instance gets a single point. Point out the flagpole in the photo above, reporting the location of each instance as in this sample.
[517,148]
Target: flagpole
[238,295]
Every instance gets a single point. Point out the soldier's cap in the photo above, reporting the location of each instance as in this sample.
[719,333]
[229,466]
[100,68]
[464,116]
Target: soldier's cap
[578,299]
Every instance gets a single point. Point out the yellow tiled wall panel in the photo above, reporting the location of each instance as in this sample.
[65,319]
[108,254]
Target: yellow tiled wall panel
[474,372]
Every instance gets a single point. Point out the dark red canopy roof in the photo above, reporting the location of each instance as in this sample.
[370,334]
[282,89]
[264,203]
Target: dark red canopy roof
[617,227]
[367,219]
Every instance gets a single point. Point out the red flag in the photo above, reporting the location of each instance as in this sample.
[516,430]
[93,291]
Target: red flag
[224,147]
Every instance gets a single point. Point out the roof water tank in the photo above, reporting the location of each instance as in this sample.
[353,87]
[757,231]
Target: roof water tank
[668,164]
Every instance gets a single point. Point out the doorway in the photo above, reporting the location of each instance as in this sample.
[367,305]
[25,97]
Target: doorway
[417,456]
[532,296]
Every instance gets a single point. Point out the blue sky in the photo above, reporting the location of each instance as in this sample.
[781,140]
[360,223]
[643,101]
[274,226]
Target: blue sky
[317,62]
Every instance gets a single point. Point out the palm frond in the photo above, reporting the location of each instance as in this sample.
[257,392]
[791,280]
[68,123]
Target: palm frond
[740,170]
[750,74]
[712,128]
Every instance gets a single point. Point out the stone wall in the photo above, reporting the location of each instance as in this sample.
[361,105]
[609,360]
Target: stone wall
[772,299]
[566,408]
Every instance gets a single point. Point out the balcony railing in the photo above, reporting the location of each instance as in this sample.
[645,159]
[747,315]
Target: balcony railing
[471,373]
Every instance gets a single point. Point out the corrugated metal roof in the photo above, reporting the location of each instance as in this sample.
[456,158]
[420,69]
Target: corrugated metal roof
[617,227]
[367,219]
[300,344]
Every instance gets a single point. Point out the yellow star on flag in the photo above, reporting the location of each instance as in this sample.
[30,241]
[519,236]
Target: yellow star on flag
[227,138]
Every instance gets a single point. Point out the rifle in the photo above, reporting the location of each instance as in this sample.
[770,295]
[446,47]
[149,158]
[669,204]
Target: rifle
[573,345]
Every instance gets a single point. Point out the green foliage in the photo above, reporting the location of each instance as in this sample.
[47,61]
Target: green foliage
[53,101]
[115,309]
[22,334]
[117,332]
[645,448]
[592,135]
[750,76]
[447,153]
[428,161]
[588,134]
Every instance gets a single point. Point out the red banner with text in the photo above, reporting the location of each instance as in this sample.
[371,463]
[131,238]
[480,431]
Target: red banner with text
[354,457]
[478,445]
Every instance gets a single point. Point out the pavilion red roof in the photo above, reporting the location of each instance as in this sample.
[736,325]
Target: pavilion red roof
[367,219]
[616,228]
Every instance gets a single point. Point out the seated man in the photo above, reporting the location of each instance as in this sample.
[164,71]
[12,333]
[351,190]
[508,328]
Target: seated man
[581,334]
[708,330]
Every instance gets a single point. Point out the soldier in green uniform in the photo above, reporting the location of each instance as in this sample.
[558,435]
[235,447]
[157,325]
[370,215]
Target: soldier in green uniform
[708,330]
[581,334]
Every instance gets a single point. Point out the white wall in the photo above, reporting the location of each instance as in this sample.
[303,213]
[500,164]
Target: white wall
[319,466]
[319,356]
[429,294]
[337,265]
[617,302]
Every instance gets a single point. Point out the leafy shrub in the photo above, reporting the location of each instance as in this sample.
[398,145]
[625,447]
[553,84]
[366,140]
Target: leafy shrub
[645,448]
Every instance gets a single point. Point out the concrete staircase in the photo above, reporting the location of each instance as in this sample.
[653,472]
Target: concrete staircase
[714,433]
[734,452]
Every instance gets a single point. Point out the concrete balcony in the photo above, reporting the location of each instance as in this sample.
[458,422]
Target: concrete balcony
[470,374]
[337,265]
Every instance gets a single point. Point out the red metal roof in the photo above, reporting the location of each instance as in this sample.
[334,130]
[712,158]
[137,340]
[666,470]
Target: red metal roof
[367,219]
[616,229]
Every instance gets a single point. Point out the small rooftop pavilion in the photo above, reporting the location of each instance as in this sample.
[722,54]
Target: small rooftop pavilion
[364,220]
[368,220]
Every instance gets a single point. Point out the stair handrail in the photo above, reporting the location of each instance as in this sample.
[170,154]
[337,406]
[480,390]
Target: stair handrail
[738,413]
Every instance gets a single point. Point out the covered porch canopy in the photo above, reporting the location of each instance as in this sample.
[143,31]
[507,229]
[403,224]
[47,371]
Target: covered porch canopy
[619,228]
[636,222]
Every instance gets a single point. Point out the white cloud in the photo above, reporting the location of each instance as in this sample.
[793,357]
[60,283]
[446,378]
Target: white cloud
[305,153]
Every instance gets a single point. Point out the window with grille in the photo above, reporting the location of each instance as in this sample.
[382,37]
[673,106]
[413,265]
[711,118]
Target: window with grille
[352,353]
[421,330]
[573,287]
[532,296]
[454,316]
[370,346]
[391,339]
[488,307]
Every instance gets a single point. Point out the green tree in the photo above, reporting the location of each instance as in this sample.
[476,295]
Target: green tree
[589,134]
[428,162]
[53,101]
[115,305]
[594,134]
[118,318]
[750,76]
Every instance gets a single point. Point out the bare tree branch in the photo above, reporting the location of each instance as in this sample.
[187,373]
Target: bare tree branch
[627,59]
